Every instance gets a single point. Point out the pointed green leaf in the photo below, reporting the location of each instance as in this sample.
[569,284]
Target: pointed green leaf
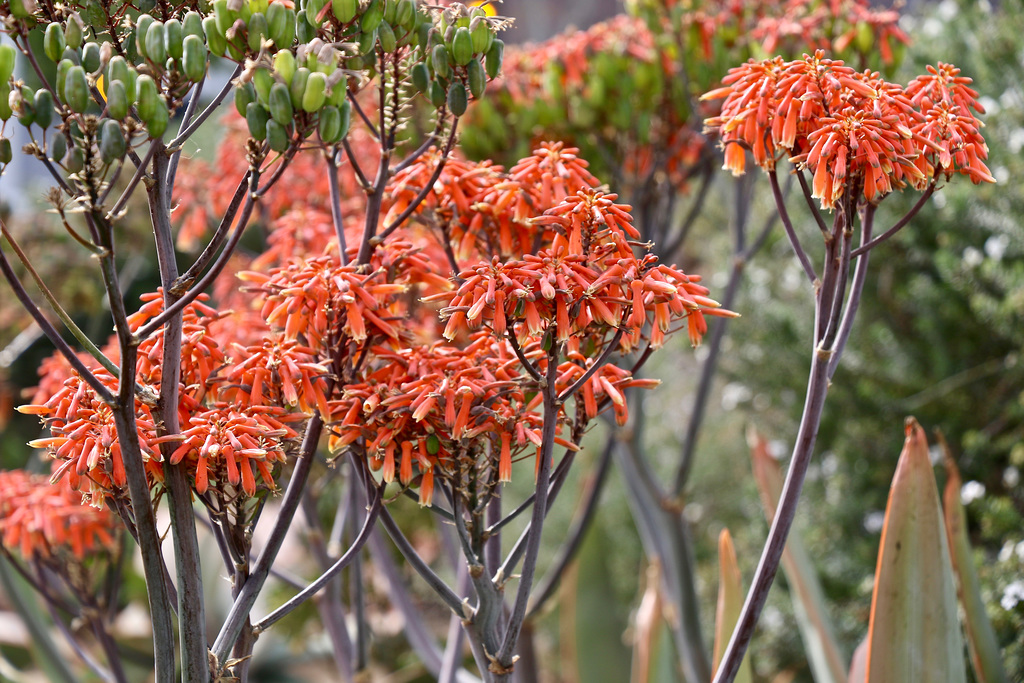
[823,654]
[914,633]
[981,637]
[730,604]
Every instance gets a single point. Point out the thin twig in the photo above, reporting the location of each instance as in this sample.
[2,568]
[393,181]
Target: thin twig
[140,171]
[190,110]
[239,613]
[609,349]
[342,562]
[574,536]
[435,582]
[899,225]
[336,217]
[210,108]
[810,202]
[78,334]
[227,220]
[780,204]
[530,368]
[427,187]
[540,509]
[52,334]
[225,255]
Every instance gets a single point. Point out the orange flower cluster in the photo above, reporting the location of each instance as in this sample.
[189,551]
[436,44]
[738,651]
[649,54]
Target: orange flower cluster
[486,210]
[307,300]
[588,282]
[42,519]
[225,444]
[84,437]
[437,405]
[852,130]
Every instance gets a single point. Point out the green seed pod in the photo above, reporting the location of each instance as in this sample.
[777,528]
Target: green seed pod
[58,147]
[304,31]
[75,160]
[142,25]
[21,100]
[263,81]
[390,10]
[494,57]
[224,16]
[405,15]
[281,104]
[276,17]
[62,74]
[437,94]
[6,153]
[421,77]
[76,90]
[284,65]
[277,136]
[281,23]
[258,30]
[433,444]
[298,86]
[462,47]
[244,96]
[112,144]
[439,58]
[156,46]
[256,118]
[477,78]
[482,36]
[313,8]
[329,124]
[117,100]
[193,60]
[216,41]
[74,32]
[373,15]
[5,101]
[91,61]
[457,100]
[386,36]
[344,10]
[345,109]
[53,42]
[7,55]
[367,42]
[148,97]
[192,25]
[22,9]
[173,37]
[118,70]
[315,93]
[158,124]
[42,104]
[423,34]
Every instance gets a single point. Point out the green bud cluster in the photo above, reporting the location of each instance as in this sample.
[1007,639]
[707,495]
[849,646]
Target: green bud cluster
[462,53]
[300,67]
